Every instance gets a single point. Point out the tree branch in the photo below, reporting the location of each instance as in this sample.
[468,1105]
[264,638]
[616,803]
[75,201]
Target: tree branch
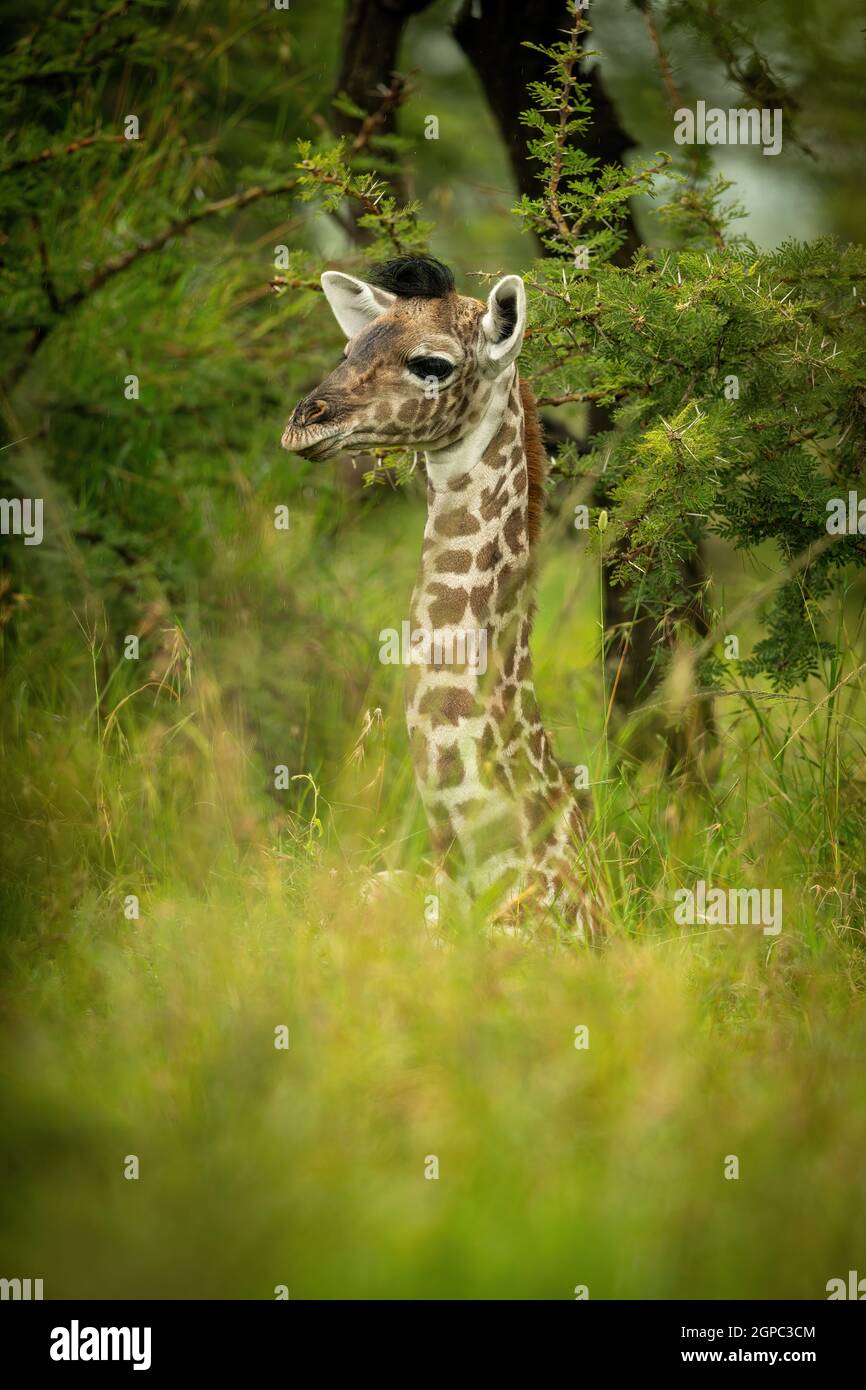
[58,152]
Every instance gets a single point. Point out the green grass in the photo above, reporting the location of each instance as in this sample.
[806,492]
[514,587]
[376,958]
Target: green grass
[305,1167]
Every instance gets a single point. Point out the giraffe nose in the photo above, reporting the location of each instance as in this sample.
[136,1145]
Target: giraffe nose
[314,412]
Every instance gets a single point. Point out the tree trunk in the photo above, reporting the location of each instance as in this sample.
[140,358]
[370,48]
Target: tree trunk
[372,32]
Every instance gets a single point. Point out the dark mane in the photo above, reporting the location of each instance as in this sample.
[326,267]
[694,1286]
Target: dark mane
[414,277]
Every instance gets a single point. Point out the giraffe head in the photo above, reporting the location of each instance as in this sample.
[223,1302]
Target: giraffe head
[420,363]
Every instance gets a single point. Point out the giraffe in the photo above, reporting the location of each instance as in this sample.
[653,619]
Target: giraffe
[430,369]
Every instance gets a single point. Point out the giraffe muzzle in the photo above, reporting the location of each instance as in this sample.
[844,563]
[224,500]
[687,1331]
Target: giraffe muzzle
[312,431]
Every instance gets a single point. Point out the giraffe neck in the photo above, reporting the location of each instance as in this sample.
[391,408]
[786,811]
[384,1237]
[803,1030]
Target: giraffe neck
[484,767]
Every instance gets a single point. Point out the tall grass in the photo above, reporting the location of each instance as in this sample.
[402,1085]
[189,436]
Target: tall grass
[559,1165]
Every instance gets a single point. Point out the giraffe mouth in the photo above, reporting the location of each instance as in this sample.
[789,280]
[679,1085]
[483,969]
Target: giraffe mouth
[315,444]
[311,444]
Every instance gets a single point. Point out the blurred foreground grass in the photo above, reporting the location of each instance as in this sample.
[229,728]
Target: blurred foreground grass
[305,1167]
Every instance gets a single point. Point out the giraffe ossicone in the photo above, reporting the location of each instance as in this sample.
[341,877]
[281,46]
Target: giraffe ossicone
[504,820]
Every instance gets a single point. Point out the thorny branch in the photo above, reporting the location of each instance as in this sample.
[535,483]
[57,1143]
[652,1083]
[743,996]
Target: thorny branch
[57,153]
[181,225]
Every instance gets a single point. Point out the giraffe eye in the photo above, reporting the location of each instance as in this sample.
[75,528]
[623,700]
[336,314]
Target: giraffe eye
[439,367]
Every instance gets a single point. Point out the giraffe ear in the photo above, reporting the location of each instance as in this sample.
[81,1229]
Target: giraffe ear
[354,303]
[503,325]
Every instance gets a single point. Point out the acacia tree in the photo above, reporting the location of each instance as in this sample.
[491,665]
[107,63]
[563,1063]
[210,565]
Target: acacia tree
[141,344]
[735,378]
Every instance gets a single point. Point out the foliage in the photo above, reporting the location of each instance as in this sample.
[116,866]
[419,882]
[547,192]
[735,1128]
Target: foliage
[258,647]
[735,377]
